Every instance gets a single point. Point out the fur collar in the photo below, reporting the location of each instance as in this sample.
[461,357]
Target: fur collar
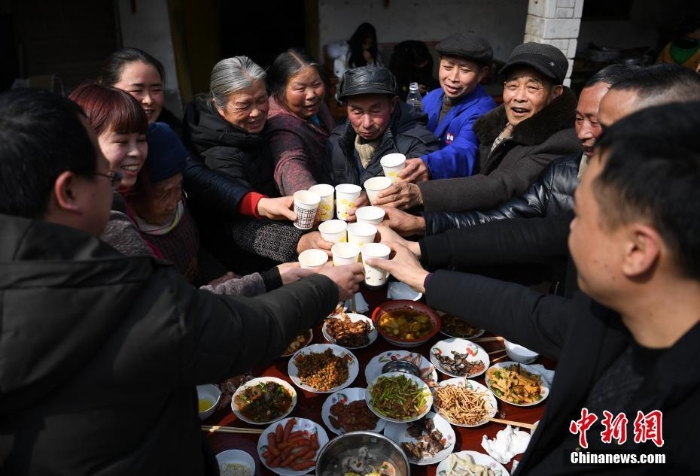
[557,115]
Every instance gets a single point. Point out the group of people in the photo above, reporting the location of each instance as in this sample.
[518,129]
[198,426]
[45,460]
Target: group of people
[145,254]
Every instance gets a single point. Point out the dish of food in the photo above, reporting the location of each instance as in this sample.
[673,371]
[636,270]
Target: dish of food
[453,326]
[290,446]
[517,384]
[470,463]
[459,358]
[346,410]
[374,367]
[399,397]
[300,341]
[263,400]
[323,368]
[235,463]
[406,324]
[464,402]
[426,441]
[349,330]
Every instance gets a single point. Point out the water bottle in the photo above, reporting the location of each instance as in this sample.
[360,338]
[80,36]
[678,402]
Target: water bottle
[413,98]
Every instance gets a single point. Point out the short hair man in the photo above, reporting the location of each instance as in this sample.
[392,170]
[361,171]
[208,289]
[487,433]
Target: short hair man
[100,352]
[465,60]
[622,380]
[378,124]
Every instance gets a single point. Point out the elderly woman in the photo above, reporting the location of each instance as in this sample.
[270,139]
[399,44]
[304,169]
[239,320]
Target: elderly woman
[300,123]
[533,126]
[234,188]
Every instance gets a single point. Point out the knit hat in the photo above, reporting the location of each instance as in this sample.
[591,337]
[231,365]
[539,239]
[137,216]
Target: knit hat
[366,80]
[166,154]
[469,45]
[546,59]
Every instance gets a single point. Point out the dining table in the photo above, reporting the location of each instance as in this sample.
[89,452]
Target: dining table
[309,404]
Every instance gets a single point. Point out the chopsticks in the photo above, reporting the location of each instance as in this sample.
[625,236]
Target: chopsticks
[231,429]
[494,352]
[487,339]
[529,426]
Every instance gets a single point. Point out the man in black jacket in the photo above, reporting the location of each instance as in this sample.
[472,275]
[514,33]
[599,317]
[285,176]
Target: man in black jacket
[622,382]
[100,353]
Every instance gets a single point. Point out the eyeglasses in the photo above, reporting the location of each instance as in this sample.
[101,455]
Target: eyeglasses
[114,177]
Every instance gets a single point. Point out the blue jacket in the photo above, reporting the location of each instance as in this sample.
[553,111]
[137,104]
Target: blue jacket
[459,147]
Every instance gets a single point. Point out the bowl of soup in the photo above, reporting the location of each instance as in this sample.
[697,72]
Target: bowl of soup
[208,396]
[406,323]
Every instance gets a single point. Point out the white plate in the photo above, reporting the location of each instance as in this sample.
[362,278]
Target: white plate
[425,390]
[373,369]
[443,469]
[373,334]
[258,381]
[235,457]
[543,393]
[474,335]
[302,424]
[353,366]
[488,397]
[399,290]
[308,336]
[475,353]
[346,396]
[397,432]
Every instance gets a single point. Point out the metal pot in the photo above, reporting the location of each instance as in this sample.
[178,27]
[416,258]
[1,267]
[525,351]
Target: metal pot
[356,449]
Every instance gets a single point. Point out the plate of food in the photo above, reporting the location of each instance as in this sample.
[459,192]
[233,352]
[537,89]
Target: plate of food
[426,441]
[453,326]
[290,446]
[300,341]
[469,463]
[459,358]
[346,410]
[263,400]
[399,397]
[518,384]
[374,367]
[349,330]
[323,368]
[464,402]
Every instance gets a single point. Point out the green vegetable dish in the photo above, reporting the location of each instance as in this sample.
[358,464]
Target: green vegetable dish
[399,397]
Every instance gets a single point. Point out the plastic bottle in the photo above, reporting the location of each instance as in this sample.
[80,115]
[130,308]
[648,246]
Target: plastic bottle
[414,98]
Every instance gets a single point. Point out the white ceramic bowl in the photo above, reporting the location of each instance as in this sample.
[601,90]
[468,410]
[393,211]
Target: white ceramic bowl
[235,457]
[211,394]
[518,353]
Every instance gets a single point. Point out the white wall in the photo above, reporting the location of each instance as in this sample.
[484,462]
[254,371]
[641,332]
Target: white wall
[149,29]
[502,22]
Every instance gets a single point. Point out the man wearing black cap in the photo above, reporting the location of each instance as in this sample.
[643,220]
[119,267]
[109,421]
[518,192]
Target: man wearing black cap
[465,59]
[533,126]
[378,124]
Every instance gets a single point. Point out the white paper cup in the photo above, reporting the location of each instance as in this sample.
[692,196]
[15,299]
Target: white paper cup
[371,215]
[392,165]
[333,231]
[345,196]
[375,185]
[345,253]
[361,233]
[375,277]
[327,204]
[305,206]
[312,258]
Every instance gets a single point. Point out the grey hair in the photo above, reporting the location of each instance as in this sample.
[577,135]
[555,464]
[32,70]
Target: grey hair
[233,74]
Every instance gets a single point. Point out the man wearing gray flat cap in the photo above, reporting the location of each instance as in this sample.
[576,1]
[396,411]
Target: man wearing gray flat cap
[465,60]
[378,124]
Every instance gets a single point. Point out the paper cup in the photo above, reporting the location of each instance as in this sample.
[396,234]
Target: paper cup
[345,253]
[375,277]
[371,215]
[392,164]
[345,196]
[375,185]
[361,233]
[305,206]
[333,231]
[327,204]
[312,258]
